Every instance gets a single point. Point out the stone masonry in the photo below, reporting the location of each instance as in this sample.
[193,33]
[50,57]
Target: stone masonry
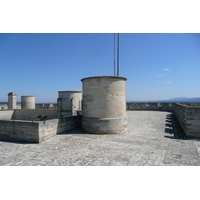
[151,140]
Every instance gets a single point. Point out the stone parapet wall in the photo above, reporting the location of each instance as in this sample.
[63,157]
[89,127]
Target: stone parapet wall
[6,114]
[30,115]
[189,119]
[48,129]
[68,103]
[23,131]
[23,114]
[52,106]
[3,106]
[188,116]
[35,131]
[46,106]
[149,106]
[28,131]
[68,123]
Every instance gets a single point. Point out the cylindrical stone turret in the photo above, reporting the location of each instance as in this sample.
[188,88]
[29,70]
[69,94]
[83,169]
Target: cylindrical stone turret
[12,100]
[69,102]
[104,104]
[27,102]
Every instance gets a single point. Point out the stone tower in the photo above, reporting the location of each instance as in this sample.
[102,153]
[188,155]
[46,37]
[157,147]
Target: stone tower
[12,100]
[69,102]
[28,102]
[104,104]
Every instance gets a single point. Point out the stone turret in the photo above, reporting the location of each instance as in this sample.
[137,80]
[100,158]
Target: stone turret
[104,104]
[69,102]
[28,102]
[12,100]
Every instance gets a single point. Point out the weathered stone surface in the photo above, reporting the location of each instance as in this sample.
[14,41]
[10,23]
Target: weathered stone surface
[23,114]
[23,131]
[68,123]
[51,106]
[104,97]
[36,131]
[150,106]
[104,104]
[189,118]
[104,125]
[12,100]
[3,106]
[146,143]
[69,102]
[28,102]
[31,114]
[6,114]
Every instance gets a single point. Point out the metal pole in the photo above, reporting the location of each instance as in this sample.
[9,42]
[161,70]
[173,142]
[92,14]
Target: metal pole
[114,57]
[118,52]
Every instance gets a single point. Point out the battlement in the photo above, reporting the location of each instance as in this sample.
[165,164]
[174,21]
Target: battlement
[48,106]
[150,106]
[188,116]
[189,119]
[67,114]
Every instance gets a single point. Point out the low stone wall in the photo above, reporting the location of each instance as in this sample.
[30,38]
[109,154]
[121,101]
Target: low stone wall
[24,114]
[68,123]
[46,106]
[23,131]
[189,119]
[52,106]
[36,131]
[188,116]
[28,131]
[64,113]
[48,129]
[149,106]
[6,114]
[3,106]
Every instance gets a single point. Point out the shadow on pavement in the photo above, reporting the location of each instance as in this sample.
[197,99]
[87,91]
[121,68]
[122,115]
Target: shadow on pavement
[173,128]
[8,140]
[79,130]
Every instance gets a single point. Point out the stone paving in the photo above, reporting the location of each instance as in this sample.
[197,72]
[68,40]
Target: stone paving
[149,141]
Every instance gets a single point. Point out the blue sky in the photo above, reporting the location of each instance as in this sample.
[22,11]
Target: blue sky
[157,66]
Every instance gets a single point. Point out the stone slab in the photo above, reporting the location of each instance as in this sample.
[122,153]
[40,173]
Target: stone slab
[146,143]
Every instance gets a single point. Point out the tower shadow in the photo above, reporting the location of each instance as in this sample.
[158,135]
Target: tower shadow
[173,128]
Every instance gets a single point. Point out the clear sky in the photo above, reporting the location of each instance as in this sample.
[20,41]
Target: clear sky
[157,66]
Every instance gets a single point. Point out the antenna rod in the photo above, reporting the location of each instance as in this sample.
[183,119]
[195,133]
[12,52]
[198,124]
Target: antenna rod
[114,57]
[118,54]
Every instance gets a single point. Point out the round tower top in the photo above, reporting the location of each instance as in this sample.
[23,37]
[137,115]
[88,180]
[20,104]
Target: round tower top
[114,77]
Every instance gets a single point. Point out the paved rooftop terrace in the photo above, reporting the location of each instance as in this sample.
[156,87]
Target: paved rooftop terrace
[153,139]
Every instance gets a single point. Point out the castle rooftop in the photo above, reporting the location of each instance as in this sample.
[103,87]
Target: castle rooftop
[153,139]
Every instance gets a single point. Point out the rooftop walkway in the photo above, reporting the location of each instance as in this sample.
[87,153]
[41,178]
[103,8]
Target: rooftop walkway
[153,139]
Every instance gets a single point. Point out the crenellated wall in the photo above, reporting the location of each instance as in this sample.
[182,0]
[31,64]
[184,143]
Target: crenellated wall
[189,119]
[149,106]
[188,116]
[46,106]
[52,106]
[23,114]
[23,125]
